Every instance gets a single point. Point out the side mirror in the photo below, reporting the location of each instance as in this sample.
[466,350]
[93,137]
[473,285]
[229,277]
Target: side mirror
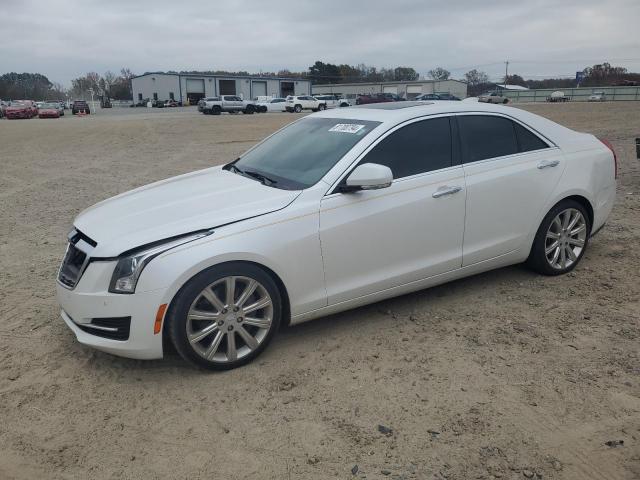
[368,176]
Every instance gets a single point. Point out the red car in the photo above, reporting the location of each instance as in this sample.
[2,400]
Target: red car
[49,110]
[21,109]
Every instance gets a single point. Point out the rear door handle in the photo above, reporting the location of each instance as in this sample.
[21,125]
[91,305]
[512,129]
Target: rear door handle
[442,191]
[548,163]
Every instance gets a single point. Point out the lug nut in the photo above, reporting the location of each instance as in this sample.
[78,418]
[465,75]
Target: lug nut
[235,309]
[220,322]
[239,319]
[230,327]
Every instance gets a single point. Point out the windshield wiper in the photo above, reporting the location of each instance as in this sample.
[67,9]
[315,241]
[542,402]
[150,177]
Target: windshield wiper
[259,176]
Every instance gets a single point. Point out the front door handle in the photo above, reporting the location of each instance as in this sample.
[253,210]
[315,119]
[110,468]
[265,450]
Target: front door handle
[548,163]
[442,191]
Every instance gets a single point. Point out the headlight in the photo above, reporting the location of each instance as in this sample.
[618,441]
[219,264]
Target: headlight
[125,275]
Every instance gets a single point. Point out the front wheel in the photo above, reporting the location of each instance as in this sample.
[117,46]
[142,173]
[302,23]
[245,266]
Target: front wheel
[297,108]
[225,316]
[321,107]
[561,240]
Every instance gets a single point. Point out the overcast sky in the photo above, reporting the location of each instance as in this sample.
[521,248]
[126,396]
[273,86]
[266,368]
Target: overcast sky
[64,39]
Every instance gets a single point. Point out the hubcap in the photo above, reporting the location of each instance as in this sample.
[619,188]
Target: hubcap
[565,239]
[229,319]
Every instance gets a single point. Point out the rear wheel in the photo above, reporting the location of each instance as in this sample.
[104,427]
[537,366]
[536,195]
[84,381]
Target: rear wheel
[216,110]
[249,110]
[297,108]
[225,316]
[561,240]
[322,106]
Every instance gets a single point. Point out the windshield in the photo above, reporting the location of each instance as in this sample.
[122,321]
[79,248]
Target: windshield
[51,105]
[299,155]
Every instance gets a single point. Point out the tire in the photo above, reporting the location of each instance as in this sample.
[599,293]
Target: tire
[342,105]
[297,108]
[545,239]
[505,101]
[216,110]
[250,110]
[210,337]
[322,107]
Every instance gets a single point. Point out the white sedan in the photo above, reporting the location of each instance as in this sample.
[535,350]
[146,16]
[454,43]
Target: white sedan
[272,105]
[339,209]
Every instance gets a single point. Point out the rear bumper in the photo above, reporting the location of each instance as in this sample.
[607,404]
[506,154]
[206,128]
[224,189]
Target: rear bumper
[90,301]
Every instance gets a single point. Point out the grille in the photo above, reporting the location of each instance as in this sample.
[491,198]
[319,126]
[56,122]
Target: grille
[72,266]
[75,259]
[114,328]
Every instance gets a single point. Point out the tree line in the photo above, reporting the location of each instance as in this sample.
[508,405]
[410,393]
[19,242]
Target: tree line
[118,86]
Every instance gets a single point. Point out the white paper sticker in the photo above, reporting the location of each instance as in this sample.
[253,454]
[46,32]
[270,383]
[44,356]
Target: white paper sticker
[346,128]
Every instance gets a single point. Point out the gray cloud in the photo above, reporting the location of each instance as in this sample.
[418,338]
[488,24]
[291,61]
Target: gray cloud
[66,38]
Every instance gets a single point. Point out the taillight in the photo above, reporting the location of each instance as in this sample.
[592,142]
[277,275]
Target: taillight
[615,157]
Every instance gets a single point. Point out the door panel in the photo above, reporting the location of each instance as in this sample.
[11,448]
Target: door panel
[377,239]
[504,200]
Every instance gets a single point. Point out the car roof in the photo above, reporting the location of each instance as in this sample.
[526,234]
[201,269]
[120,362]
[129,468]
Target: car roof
[394,113]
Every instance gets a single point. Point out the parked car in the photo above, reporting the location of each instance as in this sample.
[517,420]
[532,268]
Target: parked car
[597,97]
[348,100]
[304,102]
[80,106]
[436,96]
[227,103]
[337,210]
[558,96]
[366,99]
[171,103]
[492,97]
[331,101]
[21,109]
[272,105]
[50,110]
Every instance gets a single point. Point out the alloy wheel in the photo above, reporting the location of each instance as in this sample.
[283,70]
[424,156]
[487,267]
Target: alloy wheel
[565,239]
[229,319]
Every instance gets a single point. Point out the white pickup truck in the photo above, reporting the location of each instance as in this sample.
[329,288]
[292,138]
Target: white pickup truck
[226,103]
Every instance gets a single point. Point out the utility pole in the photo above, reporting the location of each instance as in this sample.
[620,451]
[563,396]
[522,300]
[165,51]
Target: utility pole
[506,72]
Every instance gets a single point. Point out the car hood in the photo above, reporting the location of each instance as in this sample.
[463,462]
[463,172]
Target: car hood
[175,206]
[17,108]
[48,110]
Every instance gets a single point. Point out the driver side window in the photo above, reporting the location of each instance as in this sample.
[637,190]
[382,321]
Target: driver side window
[419,147]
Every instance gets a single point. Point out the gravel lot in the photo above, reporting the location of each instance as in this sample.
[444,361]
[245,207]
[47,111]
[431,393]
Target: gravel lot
[503,375]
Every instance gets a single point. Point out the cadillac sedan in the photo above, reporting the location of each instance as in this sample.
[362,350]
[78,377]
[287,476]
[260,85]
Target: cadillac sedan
[339,209]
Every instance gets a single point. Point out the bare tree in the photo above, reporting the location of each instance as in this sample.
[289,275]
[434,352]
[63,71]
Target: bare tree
[439,73]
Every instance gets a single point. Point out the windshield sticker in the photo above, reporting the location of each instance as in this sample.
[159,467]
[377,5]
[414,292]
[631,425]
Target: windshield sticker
[347,128]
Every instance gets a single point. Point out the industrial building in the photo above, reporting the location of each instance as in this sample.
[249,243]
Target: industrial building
[406,89]
[191,87]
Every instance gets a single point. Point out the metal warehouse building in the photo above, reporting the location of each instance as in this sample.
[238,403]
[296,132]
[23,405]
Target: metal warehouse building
[192,87]
[407,90]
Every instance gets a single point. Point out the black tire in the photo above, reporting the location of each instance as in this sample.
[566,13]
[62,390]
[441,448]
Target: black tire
[297,108]
[263,109]
[216,110]
[322,107]
[249,110]
[505,101]
[176,320]
[537,260]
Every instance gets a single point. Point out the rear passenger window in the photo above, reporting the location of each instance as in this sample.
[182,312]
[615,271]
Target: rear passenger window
[417,148]
[527,140]
[484,136]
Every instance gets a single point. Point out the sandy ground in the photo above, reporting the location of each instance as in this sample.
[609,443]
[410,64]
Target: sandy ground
[503,375]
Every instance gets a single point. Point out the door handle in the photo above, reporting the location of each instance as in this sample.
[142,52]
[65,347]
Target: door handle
[442,191]
[548,163]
